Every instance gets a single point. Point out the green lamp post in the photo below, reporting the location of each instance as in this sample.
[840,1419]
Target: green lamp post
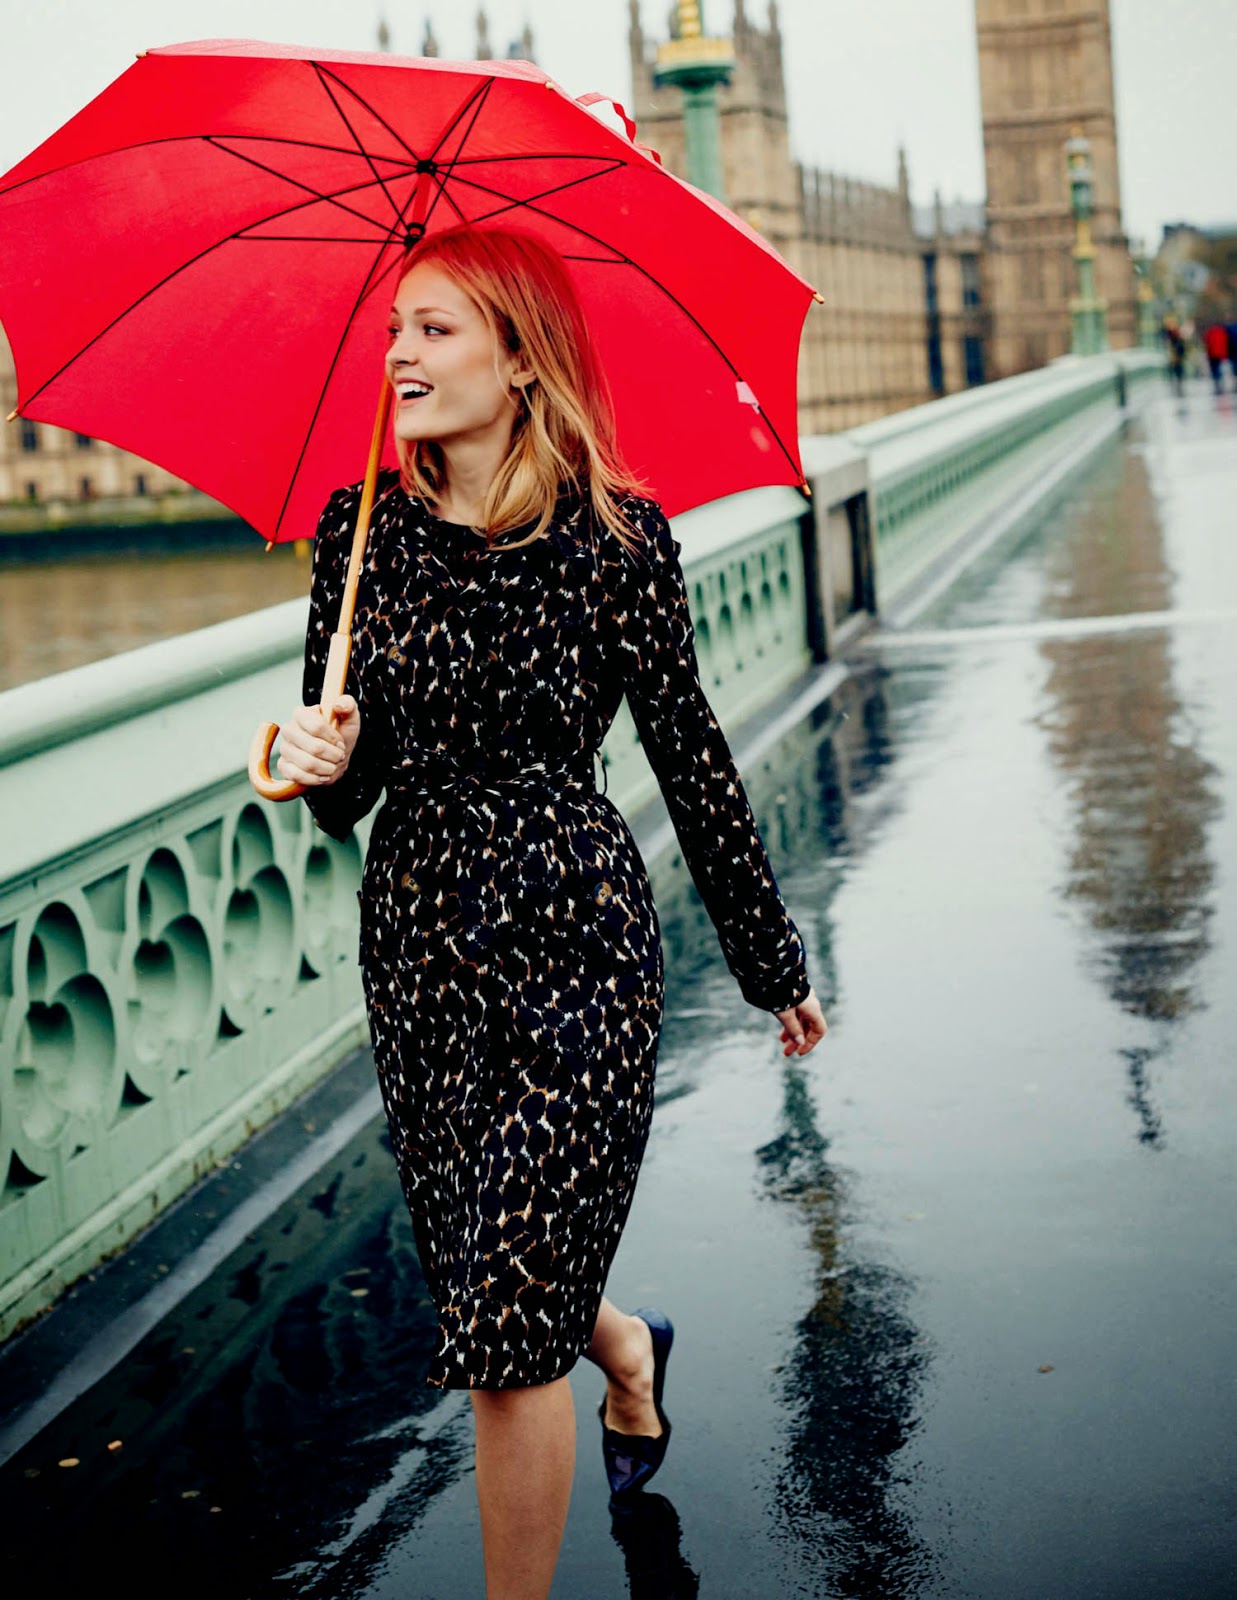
[1148,312]
[1088,315]
[697,64]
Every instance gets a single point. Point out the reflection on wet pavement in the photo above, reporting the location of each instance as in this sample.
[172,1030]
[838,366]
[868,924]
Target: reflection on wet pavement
[954,1294]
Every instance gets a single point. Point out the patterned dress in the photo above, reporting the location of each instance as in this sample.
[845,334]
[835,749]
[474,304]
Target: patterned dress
[510,947]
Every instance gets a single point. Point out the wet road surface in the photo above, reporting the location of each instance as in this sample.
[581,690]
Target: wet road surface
[954,1295]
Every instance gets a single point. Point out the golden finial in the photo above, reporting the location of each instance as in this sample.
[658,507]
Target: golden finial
[689,20]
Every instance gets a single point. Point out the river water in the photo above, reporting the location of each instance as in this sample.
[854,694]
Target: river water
[65,613]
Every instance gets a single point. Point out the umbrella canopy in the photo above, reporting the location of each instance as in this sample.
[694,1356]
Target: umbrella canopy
[199,267]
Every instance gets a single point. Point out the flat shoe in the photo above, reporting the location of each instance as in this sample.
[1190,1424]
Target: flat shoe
[632,1458]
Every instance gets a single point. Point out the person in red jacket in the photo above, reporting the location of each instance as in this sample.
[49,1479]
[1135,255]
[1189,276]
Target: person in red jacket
[1215,342]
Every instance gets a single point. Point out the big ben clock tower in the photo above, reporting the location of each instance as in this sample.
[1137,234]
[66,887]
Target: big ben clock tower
[1045,74]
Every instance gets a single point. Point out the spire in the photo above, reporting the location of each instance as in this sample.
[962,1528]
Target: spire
[429,45]
[526,43]
[904,177]
[740,17]
[484,52]
[774,29]
[384,34]
[635,32]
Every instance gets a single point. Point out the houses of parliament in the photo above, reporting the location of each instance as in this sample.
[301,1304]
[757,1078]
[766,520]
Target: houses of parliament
[918,301]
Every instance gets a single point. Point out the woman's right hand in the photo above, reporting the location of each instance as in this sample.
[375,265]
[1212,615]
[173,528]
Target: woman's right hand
[803,1026]
[315,749]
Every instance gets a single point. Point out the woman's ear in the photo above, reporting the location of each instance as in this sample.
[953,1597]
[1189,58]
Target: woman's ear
[523,378]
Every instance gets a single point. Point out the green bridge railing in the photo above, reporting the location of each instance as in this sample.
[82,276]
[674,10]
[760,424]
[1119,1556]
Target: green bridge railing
[178,958]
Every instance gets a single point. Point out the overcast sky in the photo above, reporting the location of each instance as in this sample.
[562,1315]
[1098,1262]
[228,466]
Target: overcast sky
[861,77]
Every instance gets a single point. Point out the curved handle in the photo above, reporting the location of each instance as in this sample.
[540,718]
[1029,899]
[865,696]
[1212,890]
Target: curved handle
[260,767]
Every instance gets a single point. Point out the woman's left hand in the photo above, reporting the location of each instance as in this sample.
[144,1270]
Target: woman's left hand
[803,1026]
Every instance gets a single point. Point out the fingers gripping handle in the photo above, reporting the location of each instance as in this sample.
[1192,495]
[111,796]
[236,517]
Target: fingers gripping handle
[263,740]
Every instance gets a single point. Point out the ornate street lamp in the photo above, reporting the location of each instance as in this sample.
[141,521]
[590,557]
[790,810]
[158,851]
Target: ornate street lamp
[1088,315]
[697,64]
[1149,315]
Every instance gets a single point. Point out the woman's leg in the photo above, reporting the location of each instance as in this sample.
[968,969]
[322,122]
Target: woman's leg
[622,1347]
[526,1450]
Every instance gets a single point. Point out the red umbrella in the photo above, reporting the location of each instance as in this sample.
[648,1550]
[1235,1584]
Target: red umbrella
[198,267]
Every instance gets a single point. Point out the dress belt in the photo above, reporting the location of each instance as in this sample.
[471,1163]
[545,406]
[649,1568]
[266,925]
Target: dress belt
[436,772]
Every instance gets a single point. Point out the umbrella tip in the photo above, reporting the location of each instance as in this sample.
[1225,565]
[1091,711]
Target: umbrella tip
[139,55]
[270,545]
[818,297]
[12,416]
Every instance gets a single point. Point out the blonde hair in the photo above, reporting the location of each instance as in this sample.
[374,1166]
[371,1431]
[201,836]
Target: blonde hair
[564,435]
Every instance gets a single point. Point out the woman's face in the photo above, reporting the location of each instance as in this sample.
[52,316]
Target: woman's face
[450,381]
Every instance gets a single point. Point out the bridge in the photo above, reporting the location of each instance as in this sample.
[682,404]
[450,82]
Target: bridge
[956,1287]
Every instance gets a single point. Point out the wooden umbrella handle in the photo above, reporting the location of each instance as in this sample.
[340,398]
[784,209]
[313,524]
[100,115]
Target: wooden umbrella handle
[336,674]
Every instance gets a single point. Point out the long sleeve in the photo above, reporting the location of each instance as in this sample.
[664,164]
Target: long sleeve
[337,807]
[704,794]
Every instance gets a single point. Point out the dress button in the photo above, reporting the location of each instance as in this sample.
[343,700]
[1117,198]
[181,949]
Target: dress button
[603,893]
[394,653]
[409,882]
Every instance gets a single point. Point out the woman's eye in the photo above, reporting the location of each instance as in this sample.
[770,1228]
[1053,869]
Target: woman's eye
[431,327]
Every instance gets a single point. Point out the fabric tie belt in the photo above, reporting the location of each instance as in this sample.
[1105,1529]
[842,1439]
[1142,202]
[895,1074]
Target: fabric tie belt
[436,773]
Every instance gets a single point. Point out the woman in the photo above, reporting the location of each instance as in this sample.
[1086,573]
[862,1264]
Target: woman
[516,585]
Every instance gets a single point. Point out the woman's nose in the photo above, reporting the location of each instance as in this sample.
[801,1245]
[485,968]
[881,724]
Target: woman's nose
[401,351]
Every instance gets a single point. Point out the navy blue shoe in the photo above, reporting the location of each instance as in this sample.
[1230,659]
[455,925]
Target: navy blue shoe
[632,1458]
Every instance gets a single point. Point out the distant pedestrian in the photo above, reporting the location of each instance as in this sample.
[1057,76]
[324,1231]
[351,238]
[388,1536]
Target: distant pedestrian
[1175,342]
[1231,329]
[1215,343]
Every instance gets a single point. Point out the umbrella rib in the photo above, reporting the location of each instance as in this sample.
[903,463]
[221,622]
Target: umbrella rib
[512,203]
[395,261]
[440,194]
[322,79]
[325,72]
[238,237]
[181,138]
[309,238]
[542,155]
[474,102]
[366,289]
[306,188]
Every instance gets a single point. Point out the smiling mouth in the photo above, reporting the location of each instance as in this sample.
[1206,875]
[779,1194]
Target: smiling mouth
[410,389]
